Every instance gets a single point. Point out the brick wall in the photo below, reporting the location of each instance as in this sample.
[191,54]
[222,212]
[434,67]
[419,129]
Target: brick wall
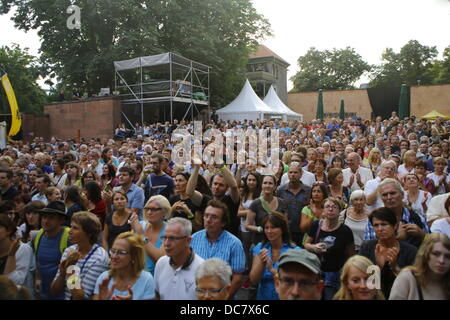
[35,126]
[96,117]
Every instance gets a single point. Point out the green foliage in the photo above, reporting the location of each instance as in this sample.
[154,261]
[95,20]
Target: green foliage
[218,33]
[441,68]
[337,69]
[23,71]
[414,62]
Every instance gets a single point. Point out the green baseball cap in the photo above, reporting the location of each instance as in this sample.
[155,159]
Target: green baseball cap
[303,257]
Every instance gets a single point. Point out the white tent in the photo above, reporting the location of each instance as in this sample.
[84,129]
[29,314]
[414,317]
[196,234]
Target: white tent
[275,103]
[247,105]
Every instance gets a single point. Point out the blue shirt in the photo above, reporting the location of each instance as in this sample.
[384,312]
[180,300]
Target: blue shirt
[333,127]
[47,262]
[135,198]
[143,288]
[149,264]
[266,287]
[227,247]
[159,185]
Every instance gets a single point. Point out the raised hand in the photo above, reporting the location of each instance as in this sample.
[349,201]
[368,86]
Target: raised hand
[379,255]
[104,293]
[129,296]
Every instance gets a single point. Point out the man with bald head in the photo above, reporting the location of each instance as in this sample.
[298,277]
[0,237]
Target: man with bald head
[355,176]
[296,195]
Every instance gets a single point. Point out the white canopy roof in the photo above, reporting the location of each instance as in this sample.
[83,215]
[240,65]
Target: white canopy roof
[275,103]
[247,105]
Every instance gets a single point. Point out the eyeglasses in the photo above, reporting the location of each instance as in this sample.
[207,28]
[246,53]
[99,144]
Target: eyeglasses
[118,252]
[303,284]
[211,292]
[171,239]
[331,207]
[152,209]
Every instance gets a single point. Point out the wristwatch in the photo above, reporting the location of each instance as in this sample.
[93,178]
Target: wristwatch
[146,240]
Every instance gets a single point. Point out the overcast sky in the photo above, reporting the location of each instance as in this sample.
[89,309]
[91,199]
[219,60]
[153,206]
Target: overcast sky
[368,26]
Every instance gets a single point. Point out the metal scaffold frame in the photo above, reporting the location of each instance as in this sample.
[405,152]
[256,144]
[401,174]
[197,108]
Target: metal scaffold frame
[166,77]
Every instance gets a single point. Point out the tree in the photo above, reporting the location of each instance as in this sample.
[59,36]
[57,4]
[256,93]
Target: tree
[337,69]
[219,33]
[413,63]
[441,68]
[23,71]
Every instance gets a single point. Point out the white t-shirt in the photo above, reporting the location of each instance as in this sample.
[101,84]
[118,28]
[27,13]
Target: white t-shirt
[441,226]
[370,187]
[366,175]
[308,178]
[417,205]
[436,178]
[357,226]
[176,284]
[402,171]
[246,205]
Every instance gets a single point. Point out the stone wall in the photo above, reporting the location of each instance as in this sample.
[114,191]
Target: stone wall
[423,100]
[356,102]
[428,98]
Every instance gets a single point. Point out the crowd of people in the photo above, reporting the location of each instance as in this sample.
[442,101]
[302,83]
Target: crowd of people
[357,210]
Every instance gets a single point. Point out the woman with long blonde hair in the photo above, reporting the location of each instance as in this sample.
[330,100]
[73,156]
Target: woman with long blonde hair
[354,281]
[373,161]
[429,277]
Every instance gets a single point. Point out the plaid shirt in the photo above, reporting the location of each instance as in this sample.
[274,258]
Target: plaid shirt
[369,233]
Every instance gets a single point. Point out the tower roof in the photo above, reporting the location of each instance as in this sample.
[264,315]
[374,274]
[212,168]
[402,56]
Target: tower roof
[263,51]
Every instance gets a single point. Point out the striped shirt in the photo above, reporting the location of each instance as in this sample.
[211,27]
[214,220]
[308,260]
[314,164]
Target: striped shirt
[227,247]
[91,267]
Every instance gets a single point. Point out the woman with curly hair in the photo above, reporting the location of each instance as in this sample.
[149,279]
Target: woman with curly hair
[429,277]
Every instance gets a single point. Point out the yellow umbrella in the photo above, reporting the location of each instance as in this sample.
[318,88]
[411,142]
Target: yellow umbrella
[434,114]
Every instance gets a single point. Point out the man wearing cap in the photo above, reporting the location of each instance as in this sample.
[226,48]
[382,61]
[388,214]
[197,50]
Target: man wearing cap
[48,245]
[298,276]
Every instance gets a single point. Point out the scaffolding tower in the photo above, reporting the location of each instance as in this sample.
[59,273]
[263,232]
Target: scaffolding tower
[165,78]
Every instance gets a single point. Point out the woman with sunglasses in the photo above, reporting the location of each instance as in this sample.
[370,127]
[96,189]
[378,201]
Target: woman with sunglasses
[333,242]
[156,211]
[126,279]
